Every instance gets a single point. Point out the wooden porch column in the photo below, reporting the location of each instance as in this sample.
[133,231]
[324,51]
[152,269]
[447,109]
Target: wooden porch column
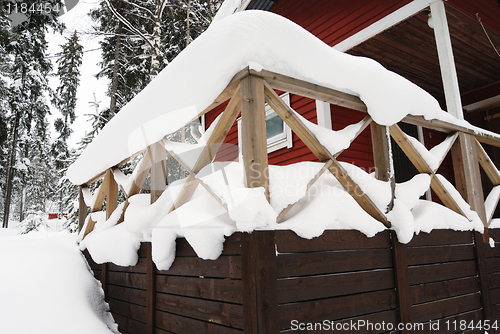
[446,60]
[468,183]
[158,170]
[382,160]
[253,133]
[82,209]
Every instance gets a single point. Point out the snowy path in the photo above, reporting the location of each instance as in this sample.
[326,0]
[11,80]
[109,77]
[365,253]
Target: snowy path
[46,287]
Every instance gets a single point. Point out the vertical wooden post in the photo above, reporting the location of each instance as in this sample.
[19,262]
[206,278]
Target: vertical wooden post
[446,59]
[383,168]
[467,174]
[468,183]
[111,193]
[150,291]
[158,170]
[253,133]
[82,209]
[158,186]
[260,298]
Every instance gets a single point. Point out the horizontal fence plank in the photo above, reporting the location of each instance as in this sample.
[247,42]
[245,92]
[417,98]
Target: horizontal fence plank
[303,264]
[494,280]
[316,287]
[449,324]
[127,310]
[492,252]
[126,294]
[441,237]
[140,267]
[224,266]
[440,272]
[177,324]
[337,308]
[492,265]
[289,242]
[232,246]
[230,315]
[227,290]
[133,280]
[445,307]
[129,325]
[495,234]
[495,296]
[495,312]
[366,324]
[440,290]
[437,254]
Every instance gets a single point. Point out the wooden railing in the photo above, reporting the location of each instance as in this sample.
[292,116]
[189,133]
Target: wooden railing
[249,91]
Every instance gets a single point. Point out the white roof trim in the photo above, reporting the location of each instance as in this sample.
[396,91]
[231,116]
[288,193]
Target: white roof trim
[383,24]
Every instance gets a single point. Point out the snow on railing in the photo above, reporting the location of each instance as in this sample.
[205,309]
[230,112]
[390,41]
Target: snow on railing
[249,92]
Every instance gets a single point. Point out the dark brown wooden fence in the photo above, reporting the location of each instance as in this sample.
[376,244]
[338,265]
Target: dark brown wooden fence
[270,282]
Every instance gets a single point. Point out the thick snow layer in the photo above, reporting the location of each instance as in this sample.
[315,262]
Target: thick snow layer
[46,287]
[193,80]
[205,223]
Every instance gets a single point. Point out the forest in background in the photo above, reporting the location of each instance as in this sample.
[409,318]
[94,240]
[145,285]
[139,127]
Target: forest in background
[138,38]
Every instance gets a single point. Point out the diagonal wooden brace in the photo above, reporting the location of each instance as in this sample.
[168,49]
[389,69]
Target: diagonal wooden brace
[210,151]
[421,165]
[292,120]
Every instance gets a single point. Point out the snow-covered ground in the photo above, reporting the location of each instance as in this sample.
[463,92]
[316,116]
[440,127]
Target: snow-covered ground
[46,286]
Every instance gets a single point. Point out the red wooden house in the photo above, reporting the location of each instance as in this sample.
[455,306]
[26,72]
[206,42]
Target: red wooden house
[274,281]
[397,35]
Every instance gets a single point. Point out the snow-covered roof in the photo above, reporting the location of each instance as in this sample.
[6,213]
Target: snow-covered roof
[260,40]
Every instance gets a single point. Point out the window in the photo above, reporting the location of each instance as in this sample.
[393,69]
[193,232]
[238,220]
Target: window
[279,135]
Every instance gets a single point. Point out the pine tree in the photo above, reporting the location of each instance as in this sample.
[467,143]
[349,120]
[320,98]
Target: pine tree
[28,72]
[64,100]
[138,45]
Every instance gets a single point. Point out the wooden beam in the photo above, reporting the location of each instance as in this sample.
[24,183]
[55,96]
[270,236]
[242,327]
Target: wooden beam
[310,90]
[479,248]
[90,227]
[111,193]
[446,59]
[101,195]
[382,159]
[200,182]
[253,133]
[400,261]
[488,166]
[421,165]
[468,177]
[446,127]
[158,170]
[210,150]
[82,209]
[309,185]
[150,290]
[259,281]
[289,117]
[388,21]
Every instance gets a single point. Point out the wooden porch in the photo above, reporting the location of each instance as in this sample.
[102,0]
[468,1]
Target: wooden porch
[250,288]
